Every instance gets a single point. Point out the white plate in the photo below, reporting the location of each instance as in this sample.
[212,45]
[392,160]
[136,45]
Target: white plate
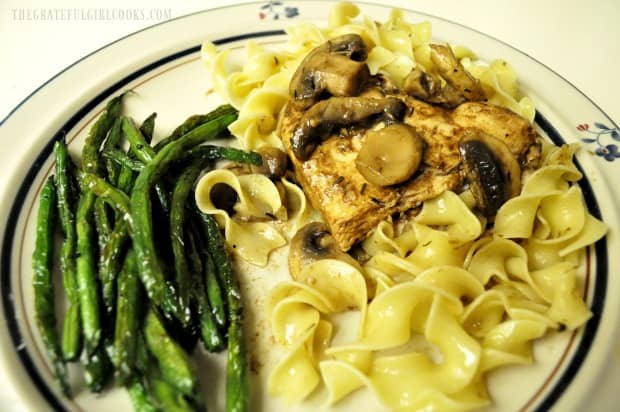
[162,65]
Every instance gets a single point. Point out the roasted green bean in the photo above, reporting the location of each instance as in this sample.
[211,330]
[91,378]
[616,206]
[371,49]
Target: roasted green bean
[139,146]
[212,338]
[237,371]
[115,136]
[103,224]
[173,361]
[226,153]
[42,263]
[110,263]
[191,123]
[106,192]
[147,128]
[97,369]
[98,133]
[86,272]
[128,317]
[170,399]
[237,379]
[86,260]
[141,209]
[213,282]
[121,158]
[181,190]
[144,152]
[140,398]
[66,199]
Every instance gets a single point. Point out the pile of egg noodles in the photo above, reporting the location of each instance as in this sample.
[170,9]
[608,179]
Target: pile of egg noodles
[477,298]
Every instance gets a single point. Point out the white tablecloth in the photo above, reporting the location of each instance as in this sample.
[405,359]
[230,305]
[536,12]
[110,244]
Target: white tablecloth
[577,39]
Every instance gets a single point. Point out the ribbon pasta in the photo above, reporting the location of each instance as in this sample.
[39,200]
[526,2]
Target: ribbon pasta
[258,198]
[447,301]
[452,302]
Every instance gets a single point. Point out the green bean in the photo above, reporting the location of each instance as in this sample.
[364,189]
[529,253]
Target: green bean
[42,263]
[111,256]
[86,272]
[106,192]
[120,158]
[72,332]
[191,123]
[126,180]
[98,133]
[141,208]
[178,207]
[86,262]
[67,193]
[195,249]
[113,142]
[145,153]
[237,379]
[110,263]
[140,398]
[217,249]
[169,399]
[102,223]
[97,369]
[213,281]
[212,338]
[173,361]
[215,293]
[147,128]
[212,278]
[127,318]
[139,146]
[227,153]
[144,360]
[112,250]
[127,176]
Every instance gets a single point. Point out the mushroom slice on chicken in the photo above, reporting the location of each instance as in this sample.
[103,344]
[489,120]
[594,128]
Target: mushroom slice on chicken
[451,86]
[336,68]
[390,155]
[453,72]
[493,172]
[428,87]
[323,118]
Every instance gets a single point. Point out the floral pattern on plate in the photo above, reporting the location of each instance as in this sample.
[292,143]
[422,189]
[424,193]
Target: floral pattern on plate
[276,10]
[599,135]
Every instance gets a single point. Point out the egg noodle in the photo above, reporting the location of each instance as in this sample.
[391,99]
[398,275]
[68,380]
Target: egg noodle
[441,300]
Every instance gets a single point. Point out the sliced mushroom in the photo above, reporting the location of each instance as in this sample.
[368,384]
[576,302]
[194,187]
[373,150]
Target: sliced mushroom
[274,165]
[311,243]
[336,68]
[428,87]
[493,171]
[390,155]
[453,72]
[451,86]
[350,45]
[275,162]
[224,197]
[318,123]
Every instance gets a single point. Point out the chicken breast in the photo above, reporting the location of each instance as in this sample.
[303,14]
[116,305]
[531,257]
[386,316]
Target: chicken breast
[352,207]
[334,105]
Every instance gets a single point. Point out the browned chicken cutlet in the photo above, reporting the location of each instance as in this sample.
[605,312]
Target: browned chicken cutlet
[325,162]
[352,207]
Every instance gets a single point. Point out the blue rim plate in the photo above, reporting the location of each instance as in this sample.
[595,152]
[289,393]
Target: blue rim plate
[161,64]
